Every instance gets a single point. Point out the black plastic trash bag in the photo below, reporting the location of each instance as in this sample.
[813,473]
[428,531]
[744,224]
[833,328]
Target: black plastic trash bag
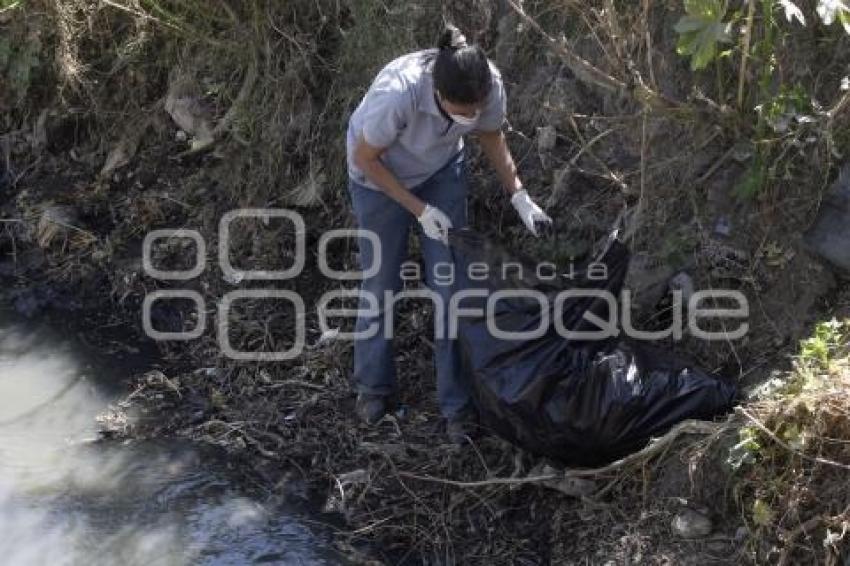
[582,402]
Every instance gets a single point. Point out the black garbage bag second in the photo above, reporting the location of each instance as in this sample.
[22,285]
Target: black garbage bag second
[578,400]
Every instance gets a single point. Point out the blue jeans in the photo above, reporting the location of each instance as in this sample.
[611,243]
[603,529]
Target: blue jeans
[374,370]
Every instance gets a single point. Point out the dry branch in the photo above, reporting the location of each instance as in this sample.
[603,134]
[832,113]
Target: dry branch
[745,53]
[653,448]
[483,483]
[843,103]
[761,426]
[588,73]
[804,529]
[226,121]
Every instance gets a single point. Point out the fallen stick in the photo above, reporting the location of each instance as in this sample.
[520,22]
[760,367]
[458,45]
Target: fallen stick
[655,446]
[839,106]
[224,124]
[587,72]
[803,529]
[785,445]
[295,383]
[482,483]
[713,169]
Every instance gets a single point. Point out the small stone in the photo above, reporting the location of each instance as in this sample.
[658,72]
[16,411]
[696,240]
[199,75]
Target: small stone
[181,136]
[648,278]
[234,277]
[723,226]
[717,547]
[742,152]
[690,524]
[208,372]
[742,533]
[546,137]
[684,283]
[402,411]
[829,236]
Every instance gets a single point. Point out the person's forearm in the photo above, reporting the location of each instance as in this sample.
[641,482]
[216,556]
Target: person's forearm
[384,179]
[496,149]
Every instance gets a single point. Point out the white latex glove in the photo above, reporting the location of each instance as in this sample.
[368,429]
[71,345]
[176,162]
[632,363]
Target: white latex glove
[435,223]
[528,211]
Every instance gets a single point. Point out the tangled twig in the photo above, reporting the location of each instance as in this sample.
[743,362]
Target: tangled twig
[587,72]
[482,483]
[786,446]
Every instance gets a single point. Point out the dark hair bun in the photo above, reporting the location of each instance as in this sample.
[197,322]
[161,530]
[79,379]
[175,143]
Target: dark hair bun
[461,72]
[451,38]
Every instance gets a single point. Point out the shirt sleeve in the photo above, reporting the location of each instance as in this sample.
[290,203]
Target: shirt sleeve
[493,114]
[386,115]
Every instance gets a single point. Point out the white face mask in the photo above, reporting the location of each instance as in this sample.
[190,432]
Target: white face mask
[465,120]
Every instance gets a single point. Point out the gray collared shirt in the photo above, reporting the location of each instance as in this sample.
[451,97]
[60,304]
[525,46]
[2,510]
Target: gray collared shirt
[400,113]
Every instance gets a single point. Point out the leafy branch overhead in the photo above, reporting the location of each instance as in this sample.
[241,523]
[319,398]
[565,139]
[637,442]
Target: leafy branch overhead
[701,30]
[831,11]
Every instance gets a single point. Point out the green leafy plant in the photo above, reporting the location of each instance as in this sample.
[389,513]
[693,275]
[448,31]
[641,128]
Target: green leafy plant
[701,30]
[763,514]
[831,11]
[780,109]
[754,179]
[820,347]
[746,450]
[789,104]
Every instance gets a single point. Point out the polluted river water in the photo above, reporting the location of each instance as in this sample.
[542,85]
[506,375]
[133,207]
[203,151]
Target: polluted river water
[67,499]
